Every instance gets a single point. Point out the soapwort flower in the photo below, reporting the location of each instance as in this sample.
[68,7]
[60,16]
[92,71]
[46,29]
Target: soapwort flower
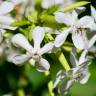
[78,73]
[35,52]
[78,27]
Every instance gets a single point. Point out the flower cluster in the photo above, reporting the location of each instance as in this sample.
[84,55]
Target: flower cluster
[34,33]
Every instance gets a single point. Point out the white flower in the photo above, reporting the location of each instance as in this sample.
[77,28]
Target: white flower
[35,52]
[48,3]
[5,21]
[93,13]
[78,27]
[78,73]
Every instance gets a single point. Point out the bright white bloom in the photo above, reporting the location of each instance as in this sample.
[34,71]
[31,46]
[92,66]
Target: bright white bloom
[78,73]
[48,3]
[78,27]
[35,52]
[5,21]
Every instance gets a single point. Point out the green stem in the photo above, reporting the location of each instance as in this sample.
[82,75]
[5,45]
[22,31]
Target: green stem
[50,87]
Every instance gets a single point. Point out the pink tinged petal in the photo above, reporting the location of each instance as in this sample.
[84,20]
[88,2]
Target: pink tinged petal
[20,40]
[38,35]
[92,41]
[6,7]
[60,39]
[93,12]
[80,40]
[86,22]
[19,58]
[15,2]
[45,49]
[82,58]
[86,75]
[73,58]
[43,65]
[65,18]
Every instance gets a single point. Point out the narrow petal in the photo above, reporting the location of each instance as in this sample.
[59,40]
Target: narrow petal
[6,20]
[93,12]
[45,49]
[38,35]
[82,58]
[92,41]
[85,77]
[43,65]
[73,58]
[60,39]
[18,58]
[20,40]
[65,18]
[6,7]
[80,40]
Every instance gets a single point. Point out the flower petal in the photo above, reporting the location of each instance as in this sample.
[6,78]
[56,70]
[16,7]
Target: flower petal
[6,7]
[37,35]
[65,86]
[65,18]
[18,58]
[6,20]
[82,58]
[85,77]
[46,3]
[86,22]
[45,49]
[20,40]
[93,12]
[2,26]
[43,65]
[73,58]
[80,40]
[60,39]
[92,41]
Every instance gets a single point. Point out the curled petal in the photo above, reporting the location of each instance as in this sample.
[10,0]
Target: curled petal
[19,40]
[38,35]
[45,49]
[60,39]
[6,7]
[43,65]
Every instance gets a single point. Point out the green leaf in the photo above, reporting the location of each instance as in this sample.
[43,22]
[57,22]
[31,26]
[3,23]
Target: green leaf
[73,6]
